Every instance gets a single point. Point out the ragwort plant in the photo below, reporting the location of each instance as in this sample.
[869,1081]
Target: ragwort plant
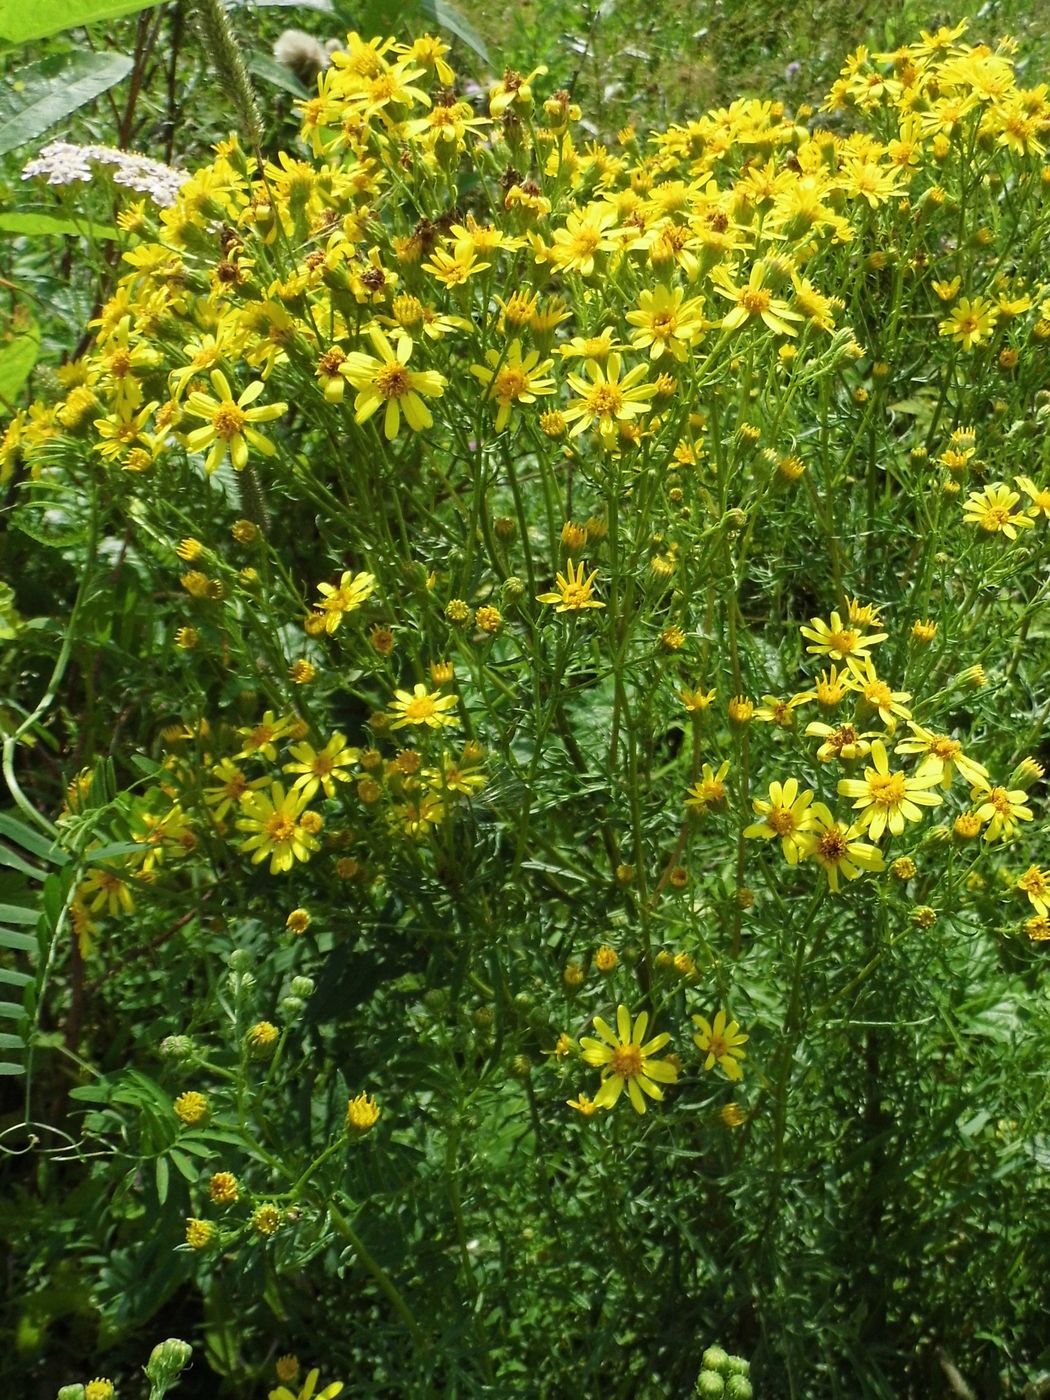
[578,874]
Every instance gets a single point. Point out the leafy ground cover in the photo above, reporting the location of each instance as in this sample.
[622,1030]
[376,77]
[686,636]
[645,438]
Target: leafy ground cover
[525,616]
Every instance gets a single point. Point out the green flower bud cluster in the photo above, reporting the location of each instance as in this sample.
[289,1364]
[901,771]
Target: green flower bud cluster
[723,1377]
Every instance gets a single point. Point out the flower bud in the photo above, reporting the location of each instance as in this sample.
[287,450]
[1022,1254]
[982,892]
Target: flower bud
[240,960]
[177,1047]
[167,1360]
[710,1386]
[738,1388]
[715,1359]
[302,986]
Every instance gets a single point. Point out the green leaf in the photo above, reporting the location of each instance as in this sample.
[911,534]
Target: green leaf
[12,1011]
[21,20]
[162,1179]
[47,224]
[9,977]
[17,358]
[276,74]
[43,93]
[8,1067]
[30,840]
[18,942]
[16,914]
[448,17]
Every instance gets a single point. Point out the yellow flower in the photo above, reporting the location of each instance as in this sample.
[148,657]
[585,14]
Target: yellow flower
[583,236]
[836,641]
[1035,883]
[309,1390]
[199,1233]
[993,510]
[667,324]
[102,889]
[573,591]
[721,1044]
[971,321]
[696,701]
[1002,809]
[512,89]
[942,755]
[1039,496]
[888,704]
[277,829]
[753,301]
[191,1108]
[605,399]
[785,816]
[321,768]
[710,790]
[584,1105]
[512,379]
[625,1058]
[774,710]
[229,422]
[344,597]
[362,1114]
[887,799]
[835,848]
[259,741]
[388,380]
[422,707]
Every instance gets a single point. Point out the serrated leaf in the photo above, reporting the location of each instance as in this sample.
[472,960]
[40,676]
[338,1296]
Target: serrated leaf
[32,225]
[48,91]
[32,518]
[21,21]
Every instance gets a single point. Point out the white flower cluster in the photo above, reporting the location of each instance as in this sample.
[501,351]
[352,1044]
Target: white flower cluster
[62,163]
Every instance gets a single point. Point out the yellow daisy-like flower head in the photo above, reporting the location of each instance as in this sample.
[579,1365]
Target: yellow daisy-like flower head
[230,422]
[971,321]
[346,596]
[626,1060]
[836,849]
[422,707]
[993,510]
[276,827]
[886,799]
[309,1390]
[710,791]
[572,592]
[786,816]
[605,400]
[385,379]
[1002,808]
[512,379]
[721,1044]
[890,705]
[838,641]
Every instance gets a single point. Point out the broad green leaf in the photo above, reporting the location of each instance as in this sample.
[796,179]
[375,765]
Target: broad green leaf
[8,1067]
[17,358]
[47,224]
[10,978]
[448,17]
[18,942]
[21,20]
[41,94]
[276,74]
[325,6]
[17,914]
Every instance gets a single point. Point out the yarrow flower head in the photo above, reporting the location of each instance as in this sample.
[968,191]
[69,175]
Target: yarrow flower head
[62,163]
